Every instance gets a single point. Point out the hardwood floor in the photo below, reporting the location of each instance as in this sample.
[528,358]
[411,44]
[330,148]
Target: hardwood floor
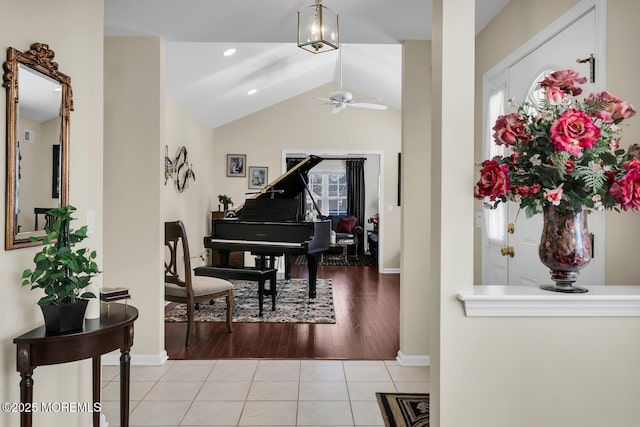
[367,327]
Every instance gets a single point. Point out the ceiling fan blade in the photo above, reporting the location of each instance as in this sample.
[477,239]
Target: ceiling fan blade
[368,105]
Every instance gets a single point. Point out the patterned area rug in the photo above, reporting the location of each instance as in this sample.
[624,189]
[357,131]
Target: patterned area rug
[363,260]
[404,409]
[292,304]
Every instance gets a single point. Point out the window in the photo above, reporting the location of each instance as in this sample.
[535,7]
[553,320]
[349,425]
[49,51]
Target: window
[495,219]
[329,189]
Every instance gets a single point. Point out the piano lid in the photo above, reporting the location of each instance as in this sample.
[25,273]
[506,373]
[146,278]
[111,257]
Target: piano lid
[288,185]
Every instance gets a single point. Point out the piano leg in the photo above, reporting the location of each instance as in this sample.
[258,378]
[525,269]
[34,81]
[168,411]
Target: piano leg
[287,266]
[312,264]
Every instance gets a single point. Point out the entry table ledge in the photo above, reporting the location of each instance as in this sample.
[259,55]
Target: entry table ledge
[531,301]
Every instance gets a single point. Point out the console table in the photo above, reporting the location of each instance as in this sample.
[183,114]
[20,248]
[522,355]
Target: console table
[112,330]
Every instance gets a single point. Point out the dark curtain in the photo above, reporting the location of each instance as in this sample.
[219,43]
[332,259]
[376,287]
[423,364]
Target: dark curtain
[302,197]
[355,189]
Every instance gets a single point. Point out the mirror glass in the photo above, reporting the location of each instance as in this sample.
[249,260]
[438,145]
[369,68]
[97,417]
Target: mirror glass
[38,106]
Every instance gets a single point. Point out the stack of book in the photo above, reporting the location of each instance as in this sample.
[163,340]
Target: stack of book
[114,294]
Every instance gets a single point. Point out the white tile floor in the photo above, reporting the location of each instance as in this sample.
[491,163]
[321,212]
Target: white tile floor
[259,392]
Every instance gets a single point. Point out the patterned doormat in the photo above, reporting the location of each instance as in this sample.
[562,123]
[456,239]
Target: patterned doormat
[404,409]
[292,304]
[362,260]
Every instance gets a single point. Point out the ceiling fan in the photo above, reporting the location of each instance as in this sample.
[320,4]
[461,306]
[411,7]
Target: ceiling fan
[340,99]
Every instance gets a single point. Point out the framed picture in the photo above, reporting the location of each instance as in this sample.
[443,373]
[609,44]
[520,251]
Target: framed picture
[258,176]
[235,164]
[55,177]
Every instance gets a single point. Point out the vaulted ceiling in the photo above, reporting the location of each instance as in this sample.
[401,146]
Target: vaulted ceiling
[215,88]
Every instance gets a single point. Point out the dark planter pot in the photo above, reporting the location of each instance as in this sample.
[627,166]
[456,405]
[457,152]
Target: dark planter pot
[64,318]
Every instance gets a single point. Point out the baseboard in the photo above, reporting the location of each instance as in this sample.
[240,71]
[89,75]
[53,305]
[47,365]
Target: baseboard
[136,359]
[406,360]
[390,271]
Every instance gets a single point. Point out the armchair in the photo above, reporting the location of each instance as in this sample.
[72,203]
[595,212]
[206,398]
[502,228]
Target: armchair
[346,227]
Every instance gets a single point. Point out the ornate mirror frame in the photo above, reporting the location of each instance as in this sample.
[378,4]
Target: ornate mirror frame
[38,58]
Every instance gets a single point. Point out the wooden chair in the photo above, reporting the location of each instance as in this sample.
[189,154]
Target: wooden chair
[192,289]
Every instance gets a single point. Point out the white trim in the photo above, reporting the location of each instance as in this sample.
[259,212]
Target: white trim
[414,360]
[113,358]
[556,27]
[390,271]
[529,301]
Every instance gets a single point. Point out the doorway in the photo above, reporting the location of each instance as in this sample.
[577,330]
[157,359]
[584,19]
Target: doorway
[574,36]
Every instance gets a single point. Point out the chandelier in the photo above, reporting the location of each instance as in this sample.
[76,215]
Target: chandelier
[318,29]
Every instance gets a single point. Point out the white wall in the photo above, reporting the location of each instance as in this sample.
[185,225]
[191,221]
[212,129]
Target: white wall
[300,125]
[134,175]
[555,371]
[73,30]
[194,205]
[416,201]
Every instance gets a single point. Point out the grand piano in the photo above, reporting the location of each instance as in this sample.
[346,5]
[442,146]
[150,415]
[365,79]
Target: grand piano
[266,225]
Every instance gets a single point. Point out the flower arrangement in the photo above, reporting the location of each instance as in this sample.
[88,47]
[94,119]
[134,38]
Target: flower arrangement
[224,199]
[564,152]
[374,220]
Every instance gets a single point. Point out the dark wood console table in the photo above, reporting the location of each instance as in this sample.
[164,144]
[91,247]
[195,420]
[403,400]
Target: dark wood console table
[113,330]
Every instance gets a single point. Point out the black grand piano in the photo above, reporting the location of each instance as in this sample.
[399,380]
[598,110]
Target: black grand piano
[266,225]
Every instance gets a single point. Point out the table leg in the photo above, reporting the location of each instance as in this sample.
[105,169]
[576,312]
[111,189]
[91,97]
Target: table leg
[26,396]
[97,382]
[125,361]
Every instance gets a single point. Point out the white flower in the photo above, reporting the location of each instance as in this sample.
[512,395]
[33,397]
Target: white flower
[535,160]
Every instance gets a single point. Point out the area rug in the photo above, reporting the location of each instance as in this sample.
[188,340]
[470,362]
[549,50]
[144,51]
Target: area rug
[404,409]
[362,260]
[292,304]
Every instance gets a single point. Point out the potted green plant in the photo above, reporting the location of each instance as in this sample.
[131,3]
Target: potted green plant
[63,272]
[225,200]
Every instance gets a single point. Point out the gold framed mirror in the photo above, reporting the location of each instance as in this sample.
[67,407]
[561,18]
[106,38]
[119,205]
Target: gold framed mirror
[39,105]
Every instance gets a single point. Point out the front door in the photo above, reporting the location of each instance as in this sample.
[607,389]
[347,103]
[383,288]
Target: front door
[506,227]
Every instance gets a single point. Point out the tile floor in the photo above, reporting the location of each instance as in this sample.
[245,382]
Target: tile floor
[259,392]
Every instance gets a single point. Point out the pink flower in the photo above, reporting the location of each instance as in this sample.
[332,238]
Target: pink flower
[509,129]
[573,132]
[565,80]
[609,107]
[626,190]
[494,181]
[554,196]
[554,95]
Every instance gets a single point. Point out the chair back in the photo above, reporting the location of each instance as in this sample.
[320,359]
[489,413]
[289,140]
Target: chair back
[175,236]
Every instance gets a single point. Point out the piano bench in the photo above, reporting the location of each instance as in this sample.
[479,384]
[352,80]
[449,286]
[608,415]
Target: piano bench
[255,274]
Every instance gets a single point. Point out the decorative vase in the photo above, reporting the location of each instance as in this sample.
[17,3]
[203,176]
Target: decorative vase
[65,317]
[565,247]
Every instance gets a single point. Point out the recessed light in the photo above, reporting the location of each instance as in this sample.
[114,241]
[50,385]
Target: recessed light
[229,52]
[252,91]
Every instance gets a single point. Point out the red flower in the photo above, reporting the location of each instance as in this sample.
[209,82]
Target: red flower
[494,180]
[509,129]
[573,132]
[626,190]
[565,80]
[569,165]
[609,107]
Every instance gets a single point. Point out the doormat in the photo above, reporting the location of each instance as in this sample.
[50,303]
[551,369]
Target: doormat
[292,304]
[404,409]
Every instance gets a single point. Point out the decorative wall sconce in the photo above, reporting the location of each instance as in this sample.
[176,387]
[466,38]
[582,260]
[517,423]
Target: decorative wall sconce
[179,169]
